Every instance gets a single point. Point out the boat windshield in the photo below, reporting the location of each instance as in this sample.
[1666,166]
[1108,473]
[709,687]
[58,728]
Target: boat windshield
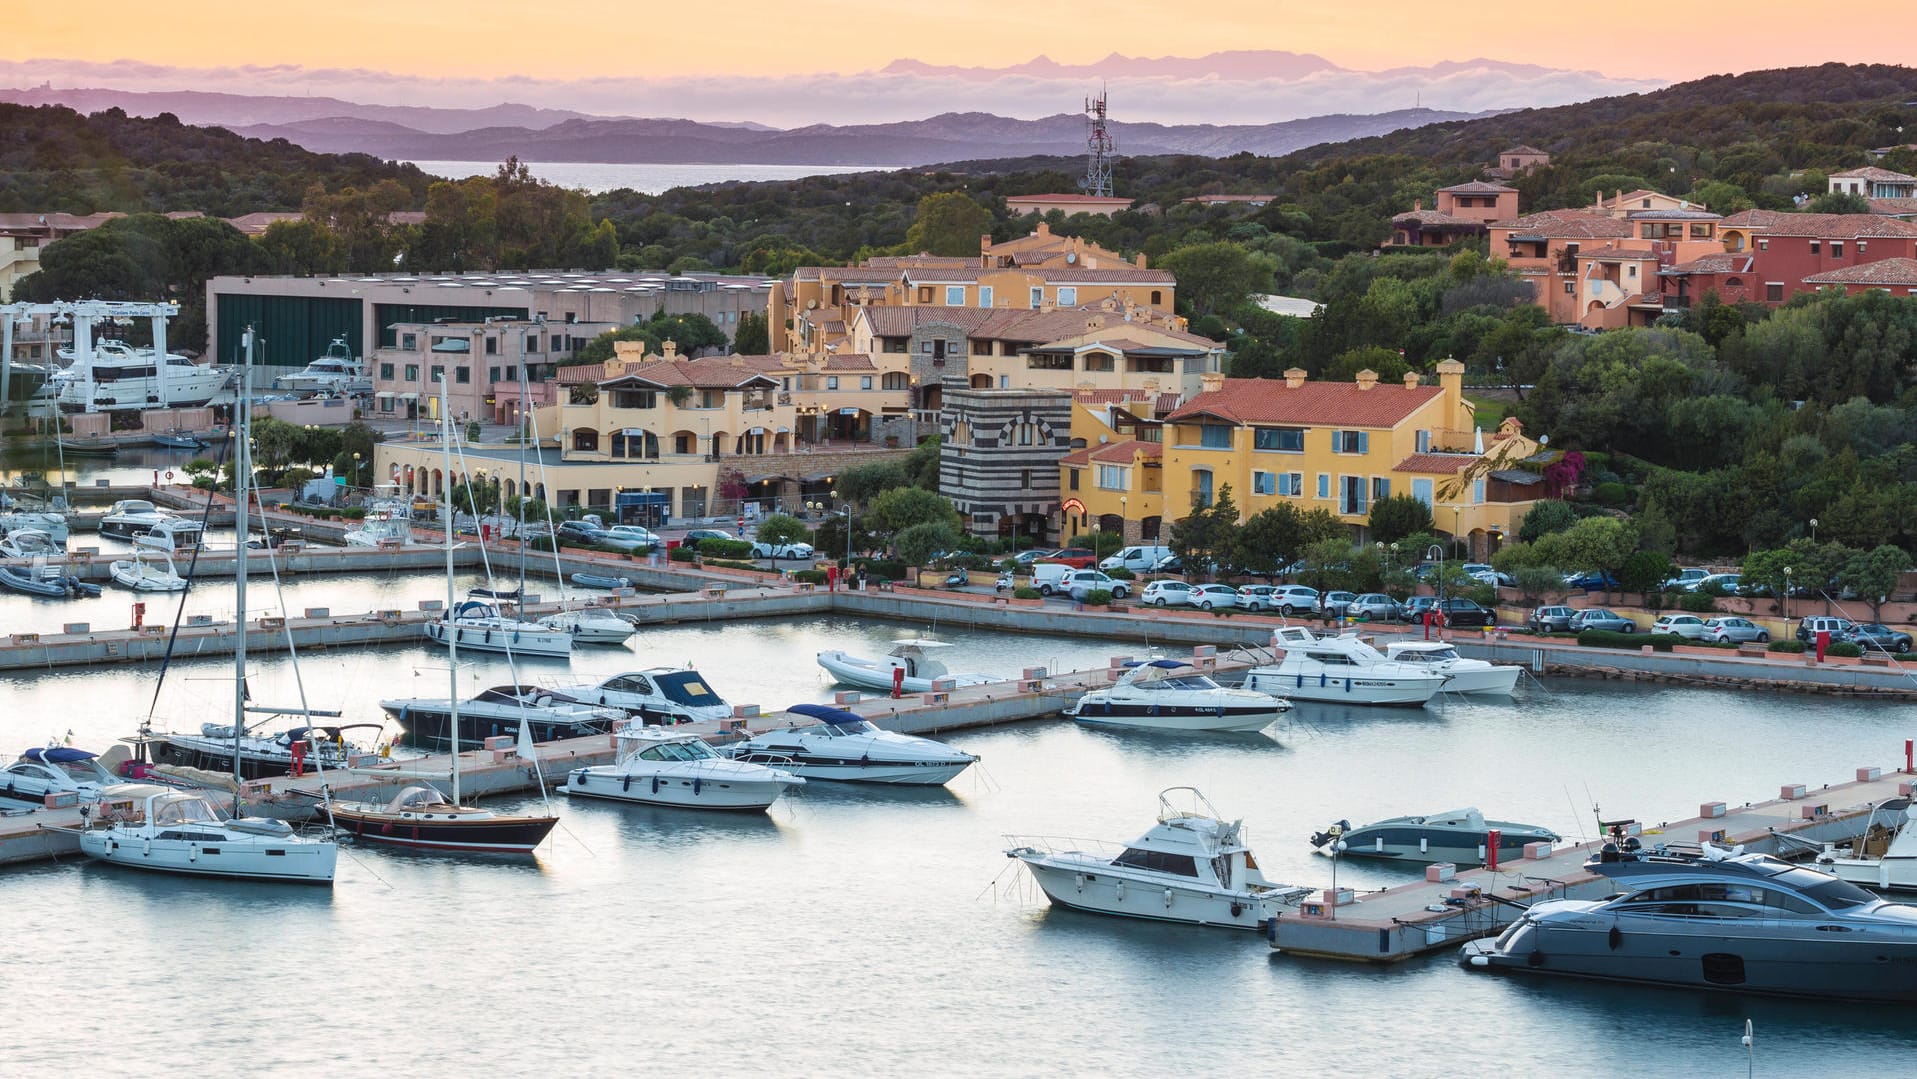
[1427,655]
[685,687]
[186,809]
[678,751]
[1185,681]
[1833,893]
[1331,659]
[1158,861]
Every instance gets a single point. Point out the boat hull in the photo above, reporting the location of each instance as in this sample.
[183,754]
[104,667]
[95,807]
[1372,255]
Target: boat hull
[1882,874]
[1195,720]
[1488,680]
[217,756]
[1858,965]
[1457,849]
[429,726]
[1092,888]
[1351,689]
[890,773]
[866,674]
[248,859]
[724,793]
[519,642]
[495,835]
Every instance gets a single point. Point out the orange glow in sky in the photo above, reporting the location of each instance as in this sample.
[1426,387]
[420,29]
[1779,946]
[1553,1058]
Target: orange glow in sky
[574,39]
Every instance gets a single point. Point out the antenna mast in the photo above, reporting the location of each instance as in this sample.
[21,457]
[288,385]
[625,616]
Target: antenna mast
[1099,147]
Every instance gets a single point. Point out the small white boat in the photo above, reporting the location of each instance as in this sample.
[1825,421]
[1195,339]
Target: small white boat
[1461,675]
[846,747]
[1460,836]
[1341,670]
[1191,867]
[1153,695]
[171,534]
[591,625]
[45,770]
[1885,856]
[129,517]
[916,670]
[660,767]
[388,520]
[336,372]
[656,695]
[29,543]
[480,627]
[176,831]
[54,524]
[147,571]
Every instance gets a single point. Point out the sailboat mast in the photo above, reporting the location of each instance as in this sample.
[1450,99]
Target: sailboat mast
[523,428]
[242,468]
[452,625]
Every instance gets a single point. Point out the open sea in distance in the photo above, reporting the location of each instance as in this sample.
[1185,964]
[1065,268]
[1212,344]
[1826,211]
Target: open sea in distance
[647,179]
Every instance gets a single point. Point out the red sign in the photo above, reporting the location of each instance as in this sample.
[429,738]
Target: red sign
[1073,505]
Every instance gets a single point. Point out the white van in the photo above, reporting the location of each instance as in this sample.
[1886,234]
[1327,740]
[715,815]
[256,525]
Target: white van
[1049,577]
[1136,559]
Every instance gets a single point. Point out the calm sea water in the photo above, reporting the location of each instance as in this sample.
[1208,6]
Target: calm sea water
[647,179]
[884,931]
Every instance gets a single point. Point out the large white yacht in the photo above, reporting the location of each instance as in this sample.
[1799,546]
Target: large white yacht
[129,517]
[1461,675]
[1169,695]
[907,662]
[591,625]
[658,766]
[1341,670]
[337,372]
[1191,867]
[847,747]
[118,376]
[656,695]
[551,715]
[176,831]
[478,626]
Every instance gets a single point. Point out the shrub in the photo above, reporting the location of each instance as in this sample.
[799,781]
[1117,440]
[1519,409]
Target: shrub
[1026,591]
[1698,602]
[354,513]
[1121,574]
[1850,649]
[1604,638]
[1613,494]
[1098,597]
[806,576]
[682,554]
[541,543]
[884,569]
[725,548]
[730,564]
[1792,647]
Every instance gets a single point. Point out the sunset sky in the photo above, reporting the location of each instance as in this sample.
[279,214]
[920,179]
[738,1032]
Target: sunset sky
[583,39]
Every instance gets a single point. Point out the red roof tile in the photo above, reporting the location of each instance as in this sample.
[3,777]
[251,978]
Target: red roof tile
[1270,400]
[1479,187]
[1875,175]
[1568,224]
[1821,226]
[1436,464]
[1897,271]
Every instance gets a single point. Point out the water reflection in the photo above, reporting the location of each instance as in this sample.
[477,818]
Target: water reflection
[671,829]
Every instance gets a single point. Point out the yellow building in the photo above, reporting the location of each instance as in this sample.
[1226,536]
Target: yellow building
[1115,481]
[1342,446]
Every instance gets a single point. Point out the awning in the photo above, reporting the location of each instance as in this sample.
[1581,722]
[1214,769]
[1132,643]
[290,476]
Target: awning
[409,397]
[385,395]
[762,477]
[815,477]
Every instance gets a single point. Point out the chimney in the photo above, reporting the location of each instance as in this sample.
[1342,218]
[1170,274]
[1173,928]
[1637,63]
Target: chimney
[1043,229]
[1367,378]
[1211,381]
[1411,380]
[1294,377]
[1451,381]
[669,349]
[985,251]
[1140,261]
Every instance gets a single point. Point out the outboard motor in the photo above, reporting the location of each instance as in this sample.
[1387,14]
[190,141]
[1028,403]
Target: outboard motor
[1331,832]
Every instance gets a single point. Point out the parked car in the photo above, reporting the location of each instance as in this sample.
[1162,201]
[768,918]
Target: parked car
[1493,578]
[1728,582]
[1337,603]
[1688,626]
[762,549]
[1416,606]
[1685,579]
[534,530]
[1551,619]
[1592,581]
[1838,628]
[1734,630]
[1464,612]
[1258,597]
[1075,557]
[1207,596]
[1375,607]
[1136,559]
[629,538]
[1601,618]
[1079,582]
[580,532]
[1294,599]
[1877,637]
[1472,569]
[693,537]
[1166,594]
[1034,556]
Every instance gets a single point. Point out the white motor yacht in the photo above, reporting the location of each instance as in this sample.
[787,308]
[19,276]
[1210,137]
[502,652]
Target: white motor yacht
[551,715]
[1191,867]
[177,831]
[29,543]
[117,376]
[907,662]
[172,534]
[1461,675]
[591,625]
[656,695]
[1341,670]
[1885,856]
[53,523]
[479,626]
[847,747]
[658,766]
[129,517]
[388,520]
[1460,836]
[45,770]
[147,571]
[1169,695]
[297,749]
[336,372]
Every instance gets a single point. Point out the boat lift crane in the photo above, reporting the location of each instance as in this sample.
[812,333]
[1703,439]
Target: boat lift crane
[82,314]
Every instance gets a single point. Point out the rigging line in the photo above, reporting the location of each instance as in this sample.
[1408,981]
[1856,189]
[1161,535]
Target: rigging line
[286,616]
[179,613]
[558,571]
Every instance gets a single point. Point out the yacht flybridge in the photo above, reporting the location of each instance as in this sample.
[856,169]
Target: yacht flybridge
[1169,695]
[336,372]
[1342,670]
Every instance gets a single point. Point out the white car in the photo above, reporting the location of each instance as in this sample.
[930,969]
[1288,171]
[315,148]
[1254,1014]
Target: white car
[1688,626]
[1166,594]
[1294,599]
[629,538]
[1257,597]
[763,549]
[1686,579]
[1207,596]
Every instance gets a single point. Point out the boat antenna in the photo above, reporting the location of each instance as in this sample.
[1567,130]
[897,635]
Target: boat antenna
[452,629]
[242,467]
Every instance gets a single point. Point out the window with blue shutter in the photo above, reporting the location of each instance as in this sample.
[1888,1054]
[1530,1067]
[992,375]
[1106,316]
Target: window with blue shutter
[1324,485]
[1421,490]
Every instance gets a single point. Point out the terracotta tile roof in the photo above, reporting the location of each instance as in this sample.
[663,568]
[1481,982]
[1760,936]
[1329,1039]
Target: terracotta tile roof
[1074,198]
[851,361]
[1874,175]
[1897,271]
[1712,264]
[1893,207]
[762,363]
[1124,452]
[1077,458]
[1433,219]
[1270,400]
[579,374]
[1207,200]
[1674,215]
[1016,324]
[718,373]
[1122,275]
[1436,464]
[1479,187]
[1823,226]
[1521,149]
[57,221]
[1569,225]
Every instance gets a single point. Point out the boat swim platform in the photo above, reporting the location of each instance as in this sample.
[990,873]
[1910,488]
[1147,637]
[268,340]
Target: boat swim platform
[1398,923]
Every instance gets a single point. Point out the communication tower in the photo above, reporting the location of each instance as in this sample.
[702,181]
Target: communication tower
[1100,147]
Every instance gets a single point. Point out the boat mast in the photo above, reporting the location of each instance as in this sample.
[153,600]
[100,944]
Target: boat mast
[451,624]
[242,465]
[520,535]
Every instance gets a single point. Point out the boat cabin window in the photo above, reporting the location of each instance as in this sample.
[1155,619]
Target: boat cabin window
[185,810]
[1835,894]
[630,683]
[1158,861]
[1717,901]
[677,751]
[1331,659]
[1428,655]
[1186,681]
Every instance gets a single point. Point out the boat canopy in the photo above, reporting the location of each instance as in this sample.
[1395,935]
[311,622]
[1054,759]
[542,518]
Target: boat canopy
[825,713]
[58,754]
[1162,664]
[684,687]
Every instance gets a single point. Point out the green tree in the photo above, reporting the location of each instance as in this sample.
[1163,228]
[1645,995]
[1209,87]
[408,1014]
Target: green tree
[751,339]
[1839,202]
[917,544]
[478,497]
[1873,575]
[1595,543]
[900,508]
[780,529]
[1398,516]
[1545,518]
[1327,564]
[1535,582]
[948,223]
[1215,276]
[1644,571]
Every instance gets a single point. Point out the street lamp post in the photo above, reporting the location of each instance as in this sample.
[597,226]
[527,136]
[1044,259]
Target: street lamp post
[1813,524]
[1784,601]
[826,507]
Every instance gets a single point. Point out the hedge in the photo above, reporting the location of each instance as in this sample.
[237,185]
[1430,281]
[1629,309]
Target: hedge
[725,548]
[1097,597]
[1792,647]
[1698,602]
[1604,638]
[1121,574]
[683,554]
[1850,649]
[728,563]
[805,576]
[1026,591]
[884,569]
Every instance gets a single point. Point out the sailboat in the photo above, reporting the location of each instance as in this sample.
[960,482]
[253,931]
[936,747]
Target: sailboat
[179,831]
[420,815]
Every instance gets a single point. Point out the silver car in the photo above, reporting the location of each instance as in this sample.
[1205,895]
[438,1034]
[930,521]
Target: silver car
[1375,607]
[1735,630]
[1207,596]
[1601,618]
